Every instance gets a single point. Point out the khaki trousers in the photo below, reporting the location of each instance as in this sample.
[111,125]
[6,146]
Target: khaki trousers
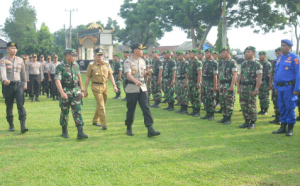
[100,92]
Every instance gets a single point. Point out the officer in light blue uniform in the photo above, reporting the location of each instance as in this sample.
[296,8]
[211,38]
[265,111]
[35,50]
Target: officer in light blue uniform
[287,86]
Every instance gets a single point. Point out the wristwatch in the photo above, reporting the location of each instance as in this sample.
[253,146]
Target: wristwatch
[82,90]
[256,89]
[198,84]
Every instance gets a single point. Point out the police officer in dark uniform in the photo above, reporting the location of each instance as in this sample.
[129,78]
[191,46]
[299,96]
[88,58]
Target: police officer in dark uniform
[136,90]
[287,86]
[12,70]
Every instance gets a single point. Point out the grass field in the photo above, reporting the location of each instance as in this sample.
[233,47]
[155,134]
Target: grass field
[189,151]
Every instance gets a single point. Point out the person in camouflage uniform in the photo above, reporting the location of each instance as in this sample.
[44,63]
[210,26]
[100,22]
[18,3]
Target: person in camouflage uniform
[200,56]
[117,68]
[216,57]
[248,87]
[187,56]
[169,74]
[148,68]
[193,82]
[264,93]
[67,77]
[274,96]
[157,68]
[181,90]
[124,77]
[227,78]
[209,84]
[175,58]
[163,85]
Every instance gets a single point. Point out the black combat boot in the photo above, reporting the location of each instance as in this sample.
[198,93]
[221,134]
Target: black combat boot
[119,96]
[152,132]
[115,96]
[37,99]
[219,112]
[129,131]
[23,127]
[246,124]
[32,99]
[53,98]
[192,113]
[178,111]
[261,110]
[206,116]
[290,130]
[211,116]
[11,127]
[197,112]
[57,97]
[265,111]
[251,125]
[165,101]
[227,121]
[156,104]
[80,134]
[167,107]
[125,99]
[178,104]
[277,119]
[222,120]
[97,124]
[281,130]
[171,107]
[26,95]
[184,109]
[65,133]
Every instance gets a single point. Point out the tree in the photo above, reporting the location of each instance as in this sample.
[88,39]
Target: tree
[22,16]
[45,39]
[143,22]
[113,24]
[219,44]
[2,34]
[30,42]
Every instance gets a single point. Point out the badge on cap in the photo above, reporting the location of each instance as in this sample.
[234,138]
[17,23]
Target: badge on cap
[13,44]
[209,50]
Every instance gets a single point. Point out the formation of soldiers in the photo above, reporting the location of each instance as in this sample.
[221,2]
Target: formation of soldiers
[40,77]
[210,78]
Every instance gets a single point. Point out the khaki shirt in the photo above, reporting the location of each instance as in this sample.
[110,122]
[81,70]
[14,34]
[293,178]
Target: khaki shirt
[13,70]
[34,68]
[99,72]
[46,67]
[137,69]
[52,67]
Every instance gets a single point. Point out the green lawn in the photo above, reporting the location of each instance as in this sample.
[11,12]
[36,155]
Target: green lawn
[189,151]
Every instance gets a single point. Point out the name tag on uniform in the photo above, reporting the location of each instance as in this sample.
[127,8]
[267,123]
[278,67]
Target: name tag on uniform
[105,67]
[31,66]
[8,62]
[8,67]
[19,67]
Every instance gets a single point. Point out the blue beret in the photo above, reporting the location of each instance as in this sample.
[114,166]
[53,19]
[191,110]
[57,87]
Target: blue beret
[288,42]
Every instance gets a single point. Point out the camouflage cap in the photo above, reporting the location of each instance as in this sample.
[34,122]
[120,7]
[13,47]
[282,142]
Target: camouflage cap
[211,50]
[216,52]
[227,48]
[71,51]
[164,52]
[99,51]
[117,55]
[146,52]
[251,48]
[155,52]
[126,52]
[187,52]
[168,52]
[193,51]
[262,53]
[278,49]
[180,53]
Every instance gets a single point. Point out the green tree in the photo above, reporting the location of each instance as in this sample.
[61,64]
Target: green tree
[22,16]
[45,39]
[113,24]
[218,44]
[30,42]
[143,22]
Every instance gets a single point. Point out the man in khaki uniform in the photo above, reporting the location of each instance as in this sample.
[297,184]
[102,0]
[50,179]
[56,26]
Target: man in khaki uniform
[98,72]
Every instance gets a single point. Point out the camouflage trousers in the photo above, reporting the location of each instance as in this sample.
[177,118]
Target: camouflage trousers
[218,99]
[194,94]
[209,97]
[274,99]
[248,102]
[155,89]
[264,95]
[118,83]
[169,91]
[148,84]
[73,101]
[181,92]
[227,99]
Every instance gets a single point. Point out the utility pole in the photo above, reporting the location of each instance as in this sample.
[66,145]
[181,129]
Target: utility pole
[66,42]
[224,29]
[70,32]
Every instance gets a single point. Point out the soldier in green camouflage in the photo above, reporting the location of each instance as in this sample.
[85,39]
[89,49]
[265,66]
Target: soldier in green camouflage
[216,57]
[149,69]
[157,68]
[193,82]
[169,74]
[265,86]
[227,78]
[200,56]
[67,77]
[187,56]
[274,96]
[181,90]
[209,84]
[163,85]
[248,87]
[117,75]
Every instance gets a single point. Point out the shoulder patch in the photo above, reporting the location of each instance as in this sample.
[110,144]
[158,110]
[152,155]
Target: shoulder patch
[296,61]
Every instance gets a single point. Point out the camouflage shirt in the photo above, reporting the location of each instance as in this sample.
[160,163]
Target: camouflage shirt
[68,74]
[192,69]
[112,64]
[156,65]
[117,67]
[249,71]
[181,69]
[210,68]
[273,67]
[226,68]
[169,66]
[267,69]
[148,62]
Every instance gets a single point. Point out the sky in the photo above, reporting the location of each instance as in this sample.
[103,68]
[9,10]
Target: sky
[53,13]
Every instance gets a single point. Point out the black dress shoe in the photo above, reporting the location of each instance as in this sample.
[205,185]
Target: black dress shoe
[129,132]
[97,124]
[104,128]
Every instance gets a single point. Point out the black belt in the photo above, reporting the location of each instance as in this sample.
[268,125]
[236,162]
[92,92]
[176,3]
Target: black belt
[225,81]
[248,83]
[208,78]
[97,83]
[131,82]
[15,82]
[285,83]
[34,75]
[65,85]
[181,78]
